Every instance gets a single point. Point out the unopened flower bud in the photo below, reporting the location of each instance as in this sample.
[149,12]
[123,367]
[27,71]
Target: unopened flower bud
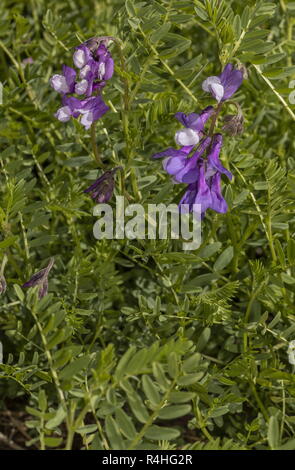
[234,124]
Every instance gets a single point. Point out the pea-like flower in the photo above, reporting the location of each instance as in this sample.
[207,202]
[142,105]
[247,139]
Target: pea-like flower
[71,108]
[178,162]
[224,85]
[193,126]
[102,189]
[206,188]
[80,89]
[214,164]
[40,279]
[200,167]
[206,192]
[81,56]
[92,109]
[183,168]
[64,83]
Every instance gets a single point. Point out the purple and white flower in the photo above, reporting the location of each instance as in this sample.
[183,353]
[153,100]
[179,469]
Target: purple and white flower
[224,85]
[105,63]
[70,109]
[178,162]
[183,168]
[81,56]
[194,126]
[92,109]
[64,83]
[95,65]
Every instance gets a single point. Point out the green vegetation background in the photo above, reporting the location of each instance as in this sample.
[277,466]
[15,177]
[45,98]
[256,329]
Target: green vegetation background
[138,344]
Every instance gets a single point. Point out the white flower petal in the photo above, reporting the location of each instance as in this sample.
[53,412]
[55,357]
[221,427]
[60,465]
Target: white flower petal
[81,87]
[58,82]
[218,91]
[63,114]
[209,82]
[87,119]
[187,137]
[101,70]
[84,71]
[79,58]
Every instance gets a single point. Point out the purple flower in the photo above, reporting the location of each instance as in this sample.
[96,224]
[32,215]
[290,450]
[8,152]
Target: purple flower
[89,76]
[218,203]
[95,65]
[177,163]
[194,126]
[105,63]
[214,164]
[185,170]
[81,56]
[197,193]
[205,179]
[225,85]
[94,62]
[102,189]
[64,83]
[71,108]
[40,279]
[92,109]
[203,195]
[206,192]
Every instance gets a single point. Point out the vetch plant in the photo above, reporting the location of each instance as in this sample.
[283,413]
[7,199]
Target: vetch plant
[187,165]
[96,66]
[138,344]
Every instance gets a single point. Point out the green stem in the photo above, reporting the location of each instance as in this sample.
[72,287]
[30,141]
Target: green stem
[270,239]
[24,236]
[152,417]
[53,372]
[95,150]
[233,236]
[169,69]
[125,119]
[284,103]
[4,261]
[202,423]
[248,311]
[41,434]
[214,119]
[259,402]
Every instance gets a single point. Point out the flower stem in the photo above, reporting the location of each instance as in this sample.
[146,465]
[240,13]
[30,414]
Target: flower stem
[125,118]
[95,150]
[259,402]
[151,418]
[214,118]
